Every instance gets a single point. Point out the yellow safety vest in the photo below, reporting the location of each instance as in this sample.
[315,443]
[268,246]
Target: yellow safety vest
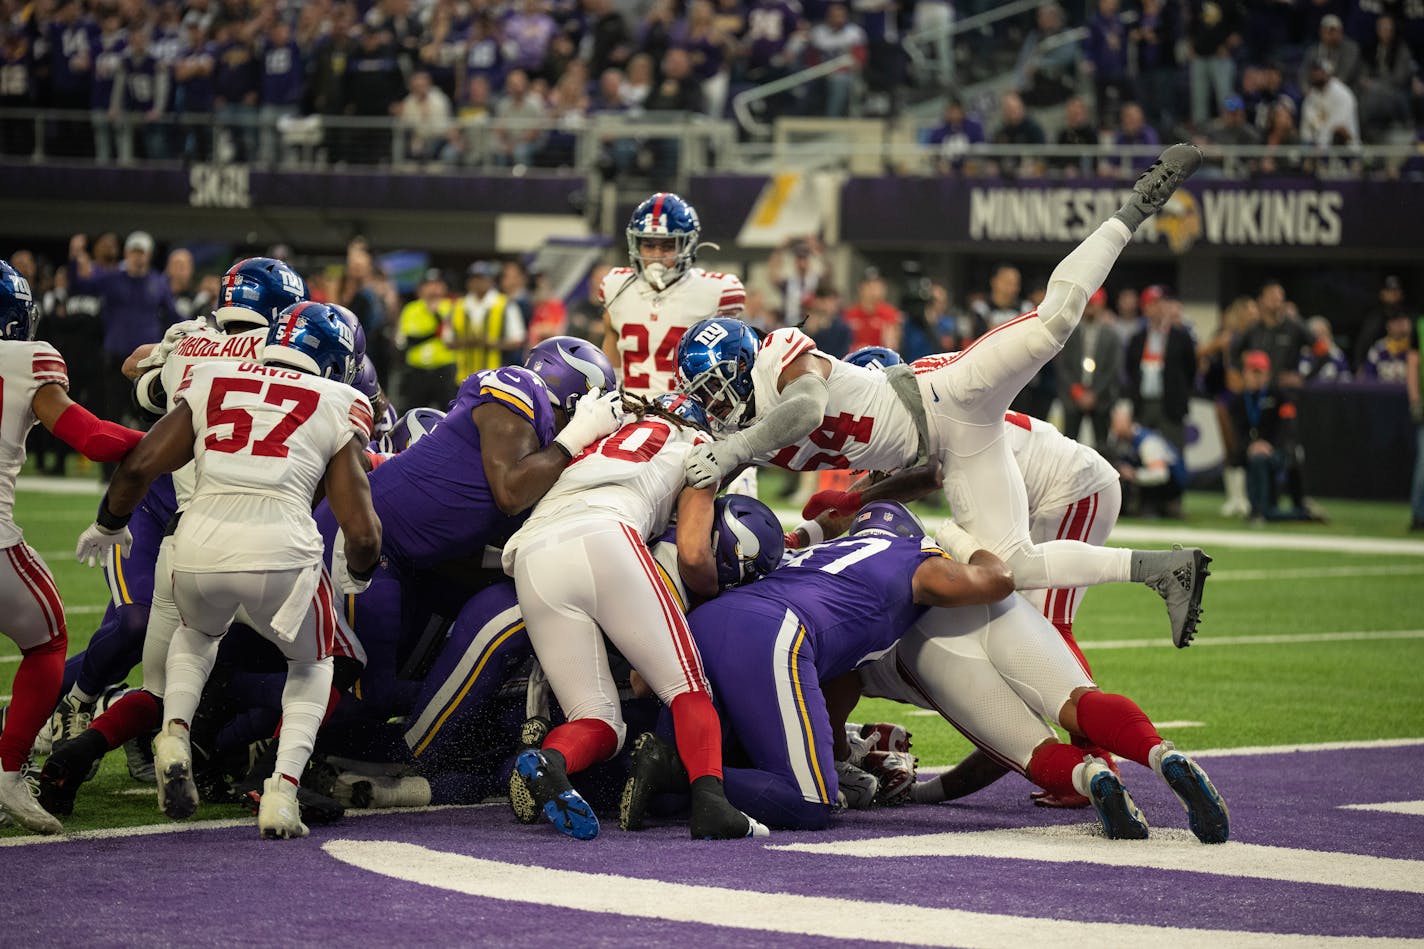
[481,349]
[420,327]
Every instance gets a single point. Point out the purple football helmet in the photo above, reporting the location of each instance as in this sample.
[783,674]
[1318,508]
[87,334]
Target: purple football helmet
[366,382]
[358,334]
[886,517]
[570,367]
[747,538]
[413,426]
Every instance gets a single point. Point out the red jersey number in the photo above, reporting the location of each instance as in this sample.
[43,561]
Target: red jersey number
[630,443]
[299,404]
[636,348]
[834,433]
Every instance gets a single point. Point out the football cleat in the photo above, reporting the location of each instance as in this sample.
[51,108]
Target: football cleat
[138,752]
[278,814]
[1181,584]
[1207,814]
[1155,186]
[173,764]
[531,735]
[857,787]
[894,772]
[1119,816]
[1042,798]
[544,778]
[714,817]
[656,769]
[71,719]
[18,801]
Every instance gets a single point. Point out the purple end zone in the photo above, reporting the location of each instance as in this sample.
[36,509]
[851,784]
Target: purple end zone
[225,886]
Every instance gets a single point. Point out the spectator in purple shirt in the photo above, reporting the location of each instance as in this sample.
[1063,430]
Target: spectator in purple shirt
[1134,130]
[1106,58]
[1154,44]
[136,308]
[775,37]
[193,89]
[527,33]
[484,54]
[283,69]
[68,38]
[141,97]
[106,55]
[953,136]
[607,40]
[17,91]
[705,44]
[236,79]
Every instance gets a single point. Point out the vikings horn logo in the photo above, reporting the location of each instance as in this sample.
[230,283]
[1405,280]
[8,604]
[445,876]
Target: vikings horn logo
[1180,221]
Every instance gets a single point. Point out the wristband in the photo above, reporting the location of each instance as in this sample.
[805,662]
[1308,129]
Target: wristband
[361,576]
[564,448]
[813,531]
[113,523]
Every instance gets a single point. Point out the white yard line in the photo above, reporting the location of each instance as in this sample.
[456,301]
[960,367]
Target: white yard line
[772,912]
[1412,808]
[1265,639]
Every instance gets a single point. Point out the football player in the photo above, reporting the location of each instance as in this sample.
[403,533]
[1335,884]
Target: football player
[247,540]
[649,305]
[769,645]
[999,673]
[254,291]
[804,410]
[583,571]
[35,387]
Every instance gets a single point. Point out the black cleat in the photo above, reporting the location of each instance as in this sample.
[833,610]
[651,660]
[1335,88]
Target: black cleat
[1155,187]
[1120,817]
[547,783]
[714,817]
[1206,810]
[656,769]
[67,768]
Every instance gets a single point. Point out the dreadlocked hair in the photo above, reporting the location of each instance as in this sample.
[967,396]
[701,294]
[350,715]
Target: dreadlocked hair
[642,408]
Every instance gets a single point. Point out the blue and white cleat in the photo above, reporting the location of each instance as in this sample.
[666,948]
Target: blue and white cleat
[1207,814]
[564,807]
[1119,816]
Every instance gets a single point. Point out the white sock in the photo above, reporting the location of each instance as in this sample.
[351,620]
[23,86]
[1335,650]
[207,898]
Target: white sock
[304,701]
[80,695]
[1078,277]
[1068,563]
[191,656]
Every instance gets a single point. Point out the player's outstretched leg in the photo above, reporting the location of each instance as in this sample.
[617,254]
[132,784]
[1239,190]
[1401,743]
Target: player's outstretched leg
[1179,577]
[547,782]
[656,770]
[173,762]
[1206,811]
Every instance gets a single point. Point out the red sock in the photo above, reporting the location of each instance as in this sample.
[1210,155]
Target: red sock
[129,717]
[1117,724]
[583,742]
[34,694]
[1051,768]
[698,731]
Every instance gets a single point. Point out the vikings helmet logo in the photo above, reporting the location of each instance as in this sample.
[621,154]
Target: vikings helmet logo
[1180,221]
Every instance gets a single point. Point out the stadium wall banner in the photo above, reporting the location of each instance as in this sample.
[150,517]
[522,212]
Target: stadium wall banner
[241,187]
[1206,214]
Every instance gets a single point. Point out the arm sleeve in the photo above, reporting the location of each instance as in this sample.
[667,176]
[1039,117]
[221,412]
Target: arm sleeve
[802,407]
[93,437]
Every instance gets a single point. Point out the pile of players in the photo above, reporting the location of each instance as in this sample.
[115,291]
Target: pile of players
[637,593]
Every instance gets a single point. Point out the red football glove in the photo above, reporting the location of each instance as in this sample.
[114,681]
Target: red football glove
[793,540]
[839,502]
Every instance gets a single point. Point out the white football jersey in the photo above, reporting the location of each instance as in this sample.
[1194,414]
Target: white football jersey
[866,426]
[1057,471]
[205,345]
[264,436]
[650,323]
[24,367]
[633,476]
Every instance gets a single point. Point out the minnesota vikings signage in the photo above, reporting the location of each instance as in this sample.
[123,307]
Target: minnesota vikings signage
[1221,215]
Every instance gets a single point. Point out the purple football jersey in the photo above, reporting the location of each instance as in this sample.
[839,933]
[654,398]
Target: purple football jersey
[432,498]
[854,595]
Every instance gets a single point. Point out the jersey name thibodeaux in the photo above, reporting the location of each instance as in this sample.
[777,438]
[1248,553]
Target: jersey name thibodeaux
[633,476]
[264,436]
[650,323]
[24,367]
[200,346]
[865,427]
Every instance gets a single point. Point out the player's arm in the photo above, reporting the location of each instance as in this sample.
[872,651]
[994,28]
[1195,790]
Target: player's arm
[73,424]
[610,345]
[519,472]
[695,561]
[348,493]
[130,369]
[1411,383]
[940,581]
[802,385]
[841,695]
[832,511]
[167,447]
[975,773]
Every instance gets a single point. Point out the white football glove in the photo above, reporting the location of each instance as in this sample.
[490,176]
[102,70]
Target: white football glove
[160,352]
[96,541]
[857,788]
[596,415]
[341,578]
[708,464]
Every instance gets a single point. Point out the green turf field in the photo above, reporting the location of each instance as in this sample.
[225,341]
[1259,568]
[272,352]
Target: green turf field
[1340,641]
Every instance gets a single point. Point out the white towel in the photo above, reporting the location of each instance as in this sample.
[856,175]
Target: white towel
[287,621]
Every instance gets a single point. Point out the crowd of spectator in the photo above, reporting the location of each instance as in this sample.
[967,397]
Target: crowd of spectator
[513,81]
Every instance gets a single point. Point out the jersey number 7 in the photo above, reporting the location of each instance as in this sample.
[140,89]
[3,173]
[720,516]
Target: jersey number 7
[303,403]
